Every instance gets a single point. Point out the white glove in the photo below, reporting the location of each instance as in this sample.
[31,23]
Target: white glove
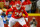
[5,18]
[26,19]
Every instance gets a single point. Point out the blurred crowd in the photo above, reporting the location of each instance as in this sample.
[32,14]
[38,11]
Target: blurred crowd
[32,6]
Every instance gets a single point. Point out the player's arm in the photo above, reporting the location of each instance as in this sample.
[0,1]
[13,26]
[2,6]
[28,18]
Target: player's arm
[5,18]
[26,14]
[9,10]
[3,14]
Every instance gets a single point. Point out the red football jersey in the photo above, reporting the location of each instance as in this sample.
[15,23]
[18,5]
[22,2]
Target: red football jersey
[17,13]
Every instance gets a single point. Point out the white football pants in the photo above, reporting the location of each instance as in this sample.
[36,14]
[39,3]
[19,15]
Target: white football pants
[12,21]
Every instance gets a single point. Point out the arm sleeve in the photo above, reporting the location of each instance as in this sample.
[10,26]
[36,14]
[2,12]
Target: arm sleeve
[26,19]
[24,11]
[3,14]
[9,10]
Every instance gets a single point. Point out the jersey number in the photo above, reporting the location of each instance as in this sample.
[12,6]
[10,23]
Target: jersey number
[17,13]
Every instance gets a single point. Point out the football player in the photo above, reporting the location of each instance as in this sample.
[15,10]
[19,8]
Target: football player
[17,15]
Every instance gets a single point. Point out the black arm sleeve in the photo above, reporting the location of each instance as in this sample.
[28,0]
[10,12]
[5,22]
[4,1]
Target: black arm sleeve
[3,14]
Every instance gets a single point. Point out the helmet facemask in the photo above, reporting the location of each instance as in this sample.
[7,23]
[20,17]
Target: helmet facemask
[18,6]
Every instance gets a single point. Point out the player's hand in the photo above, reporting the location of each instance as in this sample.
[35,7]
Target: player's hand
[26,19]
[6,18]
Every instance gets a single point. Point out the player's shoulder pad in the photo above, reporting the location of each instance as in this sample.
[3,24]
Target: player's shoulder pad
[14,6]
[23,6]
[3,14]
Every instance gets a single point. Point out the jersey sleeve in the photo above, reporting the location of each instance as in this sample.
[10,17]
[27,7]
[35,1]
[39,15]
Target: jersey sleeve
[3,14]
[9,10]
[26,14]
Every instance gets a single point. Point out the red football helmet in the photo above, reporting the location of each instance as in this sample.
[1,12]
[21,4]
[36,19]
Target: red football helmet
[18,5]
